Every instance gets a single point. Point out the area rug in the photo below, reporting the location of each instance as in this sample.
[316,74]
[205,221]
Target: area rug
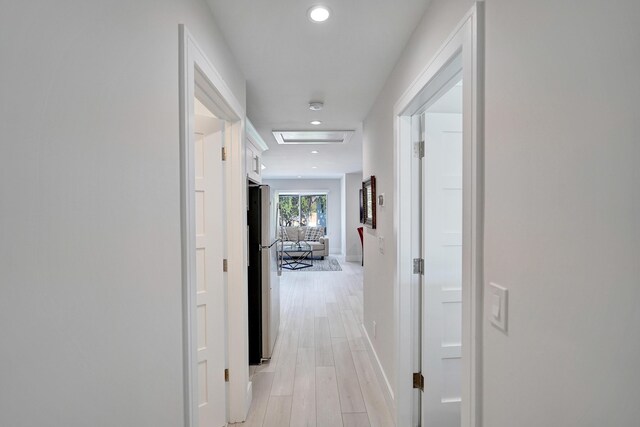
[326,264]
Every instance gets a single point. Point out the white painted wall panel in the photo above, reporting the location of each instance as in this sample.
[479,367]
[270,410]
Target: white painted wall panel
[90,268]
[563,212]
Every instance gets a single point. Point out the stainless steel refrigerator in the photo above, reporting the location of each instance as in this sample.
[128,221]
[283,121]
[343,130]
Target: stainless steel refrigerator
[264,274]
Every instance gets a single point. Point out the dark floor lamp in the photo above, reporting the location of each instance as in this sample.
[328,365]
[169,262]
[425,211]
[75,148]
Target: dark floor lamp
[360,231]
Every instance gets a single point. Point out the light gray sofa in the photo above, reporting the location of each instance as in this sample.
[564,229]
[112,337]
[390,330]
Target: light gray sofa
[319,248]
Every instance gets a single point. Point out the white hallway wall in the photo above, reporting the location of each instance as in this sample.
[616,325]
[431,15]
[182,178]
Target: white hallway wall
[562,225]
[334,203]
[353,183]
[379,273]
[90,268]
[563,212]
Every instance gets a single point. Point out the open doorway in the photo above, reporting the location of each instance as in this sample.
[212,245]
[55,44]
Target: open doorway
[438,214]
[216,387]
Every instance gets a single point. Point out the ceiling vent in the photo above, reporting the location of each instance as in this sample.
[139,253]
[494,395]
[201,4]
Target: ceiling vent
[312,137]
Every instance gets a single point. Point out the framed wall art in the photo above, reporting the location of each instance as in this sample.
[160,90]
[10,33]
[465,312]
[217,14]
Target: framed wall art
[369,202]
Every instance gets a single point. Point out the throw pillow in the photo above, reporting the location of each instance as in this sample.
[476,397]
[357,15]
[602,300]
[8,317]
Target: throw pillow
[313,234]
[283,234]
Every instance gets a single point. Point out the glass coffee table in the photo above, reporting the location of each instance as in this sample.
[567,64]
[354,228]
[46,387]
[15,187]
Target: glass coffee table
[298,256]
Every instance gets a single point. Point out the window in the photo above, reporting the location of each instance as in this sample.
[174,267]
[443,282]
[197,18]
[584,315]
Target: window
[303,210]
[289,210]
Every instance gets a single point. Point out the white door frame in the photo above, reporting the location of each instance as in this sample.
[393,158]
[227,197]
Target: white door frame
[198,75]
[465,43]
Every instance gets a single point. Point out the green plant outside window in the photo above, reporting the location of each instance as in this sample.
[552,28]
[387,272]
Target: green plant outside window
[303,210]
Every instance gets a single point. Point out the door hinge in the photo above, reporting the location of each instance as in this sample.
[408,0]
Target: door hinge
[418,266]
[224,265]
[418,149]
[226,375]
[418,381]
[224,154]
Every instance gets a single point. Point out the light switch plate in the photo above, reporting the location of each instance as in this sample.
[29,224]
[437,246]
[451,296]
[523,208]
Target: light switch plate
[498,300]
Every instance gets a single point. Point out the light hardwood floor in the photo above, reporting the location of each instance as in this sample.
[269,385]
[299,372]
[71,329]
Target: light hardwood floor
[320,374]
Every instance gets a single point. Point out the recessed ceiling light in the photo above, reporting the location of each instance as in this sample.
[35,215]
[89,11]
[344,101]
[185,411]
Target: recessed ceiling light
[315,106]
[314,167]
[299,176]
[263,167]
[319,13]
[316,122]
[314,152]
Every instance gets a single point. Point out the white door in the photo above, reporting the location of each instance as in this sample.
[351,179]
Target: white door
[210,311]
[442,281]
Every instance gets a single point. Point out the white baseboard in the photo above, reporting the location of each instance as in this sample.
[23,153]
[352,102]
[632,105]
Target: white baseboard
[248,398]
[387,391]
[353,258]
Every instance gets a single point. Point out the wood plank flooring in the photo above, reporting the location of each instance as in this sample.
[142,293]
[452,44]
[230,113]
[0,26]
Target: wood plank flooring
[320,374]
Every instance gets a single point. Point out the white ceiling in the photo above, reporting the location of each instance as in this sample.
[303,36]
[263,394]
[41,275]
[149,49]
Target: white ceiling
[289,61]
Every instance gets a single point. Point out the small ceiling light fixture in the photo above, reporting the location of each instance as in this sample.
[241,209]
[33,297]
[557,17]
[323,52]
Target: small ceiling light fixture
[316,122]
[319,13]
[299,176]
[315,106]
[314,152]
[263,167]
[314,167]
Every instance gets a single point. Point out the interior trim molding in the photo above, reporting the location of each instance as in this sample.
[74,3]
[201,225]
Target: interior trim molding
[389,396]
[254,136]
[467,43]
[198,74]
